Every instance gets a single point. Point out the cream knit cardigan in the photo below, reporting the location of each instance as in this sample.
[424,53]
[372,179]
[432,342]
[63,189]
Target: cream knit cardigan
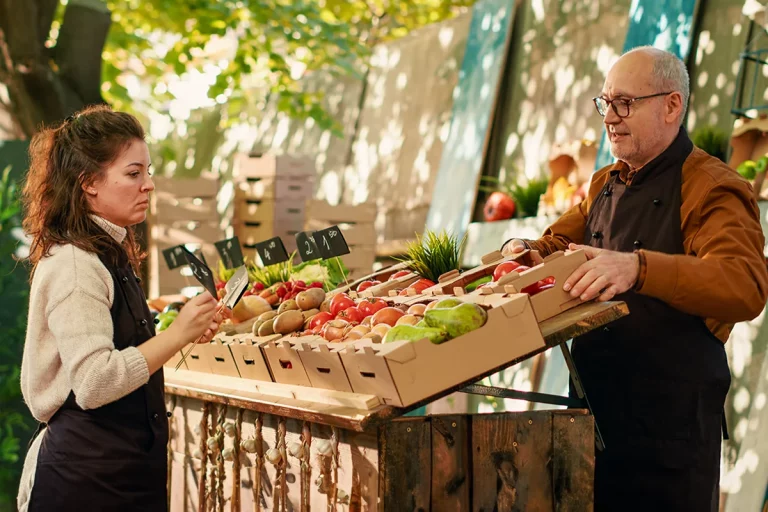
[69,343]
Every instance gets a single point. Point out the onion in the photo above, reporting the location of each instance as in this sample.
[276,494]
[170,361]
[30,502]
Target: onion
[273,456]
[323,446]
[334,330]
[249,445]
[296,449]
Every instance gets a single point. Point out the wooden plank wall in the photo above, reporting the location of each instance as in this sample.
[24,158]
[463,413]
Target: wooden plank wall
[532,461]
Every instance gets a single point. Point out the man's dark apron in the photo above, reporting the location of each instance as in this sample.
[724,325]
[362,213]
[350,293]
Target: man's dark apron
[112,458]
[656,379]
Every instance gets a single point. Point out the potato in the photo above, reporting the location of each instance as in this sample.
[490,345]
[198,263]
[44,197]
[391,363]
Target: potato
[309,313]
[325,306]
[288,322]
[288,305]
[310,299]
[266,328]
[267,315]
[250,306]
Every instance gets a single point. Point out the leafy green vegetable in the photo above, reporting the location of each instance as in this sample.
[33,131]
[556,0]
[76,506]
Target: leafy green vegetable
[271,274]
[331,272]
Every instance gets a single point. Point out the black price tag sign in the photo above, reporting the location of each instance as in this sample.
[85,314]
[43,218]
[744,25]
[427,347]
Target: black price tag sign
[331,242]
[201,271]
[272,251]
[174,257]
[305,243]
[230,252]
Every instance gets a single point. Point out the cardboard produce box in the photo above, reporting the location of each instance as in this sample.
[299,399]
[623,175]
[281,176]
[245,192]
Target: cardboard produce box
[547,303]
[284,362]
[403,373]
[247,356]
[322,364]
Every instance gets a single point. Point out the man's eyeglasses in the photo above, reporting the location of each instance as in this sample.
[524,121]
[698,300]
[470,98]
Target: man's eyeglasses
[621,105]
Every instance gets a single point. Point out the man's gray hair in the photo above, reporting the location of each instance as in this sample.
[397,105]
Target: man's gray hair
[669,74]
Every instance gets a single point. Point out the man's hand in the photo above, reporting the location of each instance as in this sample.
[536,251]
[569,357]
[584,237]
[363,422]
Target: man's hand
[606,273]
[516,246]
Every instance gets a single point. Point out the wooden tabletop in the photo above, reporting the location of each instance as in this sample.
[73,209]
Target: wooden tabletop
[353,411]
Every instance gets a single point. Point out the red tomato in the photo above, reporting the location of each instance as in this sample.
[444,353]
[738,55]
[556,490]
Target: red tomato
[548,280]
[366,284]
[319,320]
[504,269]
[537,287]
[388,316]
[419,286]
[499,206]
[352,315]
[371,305]
[340,302]
[400,273]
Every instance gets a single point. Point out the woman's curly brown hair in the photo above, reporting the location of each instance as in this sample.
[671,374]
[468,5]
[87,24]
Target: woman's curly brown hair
[63,160]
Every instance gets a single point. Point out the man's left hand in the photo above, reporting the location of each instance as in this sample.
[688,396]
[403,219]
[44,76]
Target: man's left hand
[605,274]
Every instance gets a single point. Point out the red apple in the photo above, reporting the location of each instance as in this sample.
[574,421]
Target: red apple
[499,206]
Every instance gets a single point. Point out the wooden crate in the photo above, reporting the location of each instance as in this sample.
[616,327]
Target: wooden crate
[357,225]
[542,460]
[272,166]
[182,211]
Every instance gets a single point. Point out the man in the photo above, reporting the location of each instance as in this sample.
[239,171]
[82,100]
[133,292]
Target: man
[676,234]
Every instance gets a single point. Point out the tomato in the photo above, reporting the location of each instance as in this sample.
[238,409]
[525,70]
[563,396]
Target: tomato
[400,273]
[537,287]
[499,206]
[548,280]
[371,305]
[319,320]
[352,315]
[388,316]
[366,284]
[340,302]
[504,269]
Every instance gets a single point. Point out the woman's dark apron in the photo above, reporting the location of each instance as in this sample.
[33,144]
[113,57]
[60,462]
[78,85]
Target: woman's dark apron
[657,378]
[112,458]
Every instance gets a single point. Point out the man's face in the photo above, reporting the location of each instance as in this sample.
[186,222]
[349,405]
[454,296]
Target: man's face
[644,133]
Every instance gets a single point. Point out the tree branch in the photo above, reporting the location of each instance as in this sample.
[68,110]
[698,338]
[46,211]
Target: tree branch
[78,50]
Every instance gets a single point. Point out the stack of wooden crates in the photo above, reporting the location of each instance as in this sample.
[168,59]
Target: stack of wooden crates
[357,225]
[183,211]
[271,192]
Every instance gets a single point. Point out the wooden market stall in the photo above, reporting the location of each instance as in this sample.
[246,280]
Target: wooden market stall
[242,444]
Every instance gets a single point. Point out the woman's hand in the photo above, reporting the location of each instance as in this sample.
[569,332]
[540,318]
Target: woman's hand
[195,318]
[222,313]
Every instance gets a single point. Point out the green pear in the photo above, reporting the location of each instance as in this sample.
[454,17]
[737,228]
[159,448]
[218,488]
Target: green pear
[457,320]
[413,333]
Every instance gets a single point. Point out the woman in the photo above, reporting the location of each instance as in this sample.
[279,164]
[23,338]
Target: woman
[92,366]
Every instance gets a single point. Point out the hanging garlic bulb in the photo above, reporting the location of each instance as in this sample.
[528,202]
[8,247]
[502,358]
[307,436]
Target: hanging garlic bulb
[249,445]
[197,429]
[296,449]
[273,456]
[198,454]
[319,480]
[341,495]
[212,443]
[228,453]
[229,429]
[323,446]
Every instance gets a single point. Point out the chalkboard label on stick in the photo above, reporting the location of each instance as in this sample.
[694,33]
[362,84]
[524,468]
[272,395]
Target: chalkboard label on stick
[201,271]
[174,257]
[230,252]
[305,243]
[331,242]
[272,251]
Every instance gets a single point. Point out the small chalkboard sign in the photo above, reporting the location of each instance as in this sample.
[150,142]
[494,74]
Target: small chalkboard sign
[201,271]
[174,257]
[272,251]
[230,252]
[305,243]
[330,241]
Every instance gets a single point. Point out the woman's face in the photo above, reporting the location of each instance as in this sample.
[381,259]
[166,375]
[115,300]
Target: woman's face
[121,196]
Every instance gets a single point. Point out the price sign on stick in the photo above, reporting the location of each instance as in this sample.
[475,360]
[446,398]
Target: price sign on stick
[201,272]
[305,242]
[331,242]
[272,251]
[174,257]
[230,252]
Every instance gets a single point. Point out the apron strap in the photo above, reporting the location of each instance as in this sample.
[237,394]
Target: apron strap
[40,427]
